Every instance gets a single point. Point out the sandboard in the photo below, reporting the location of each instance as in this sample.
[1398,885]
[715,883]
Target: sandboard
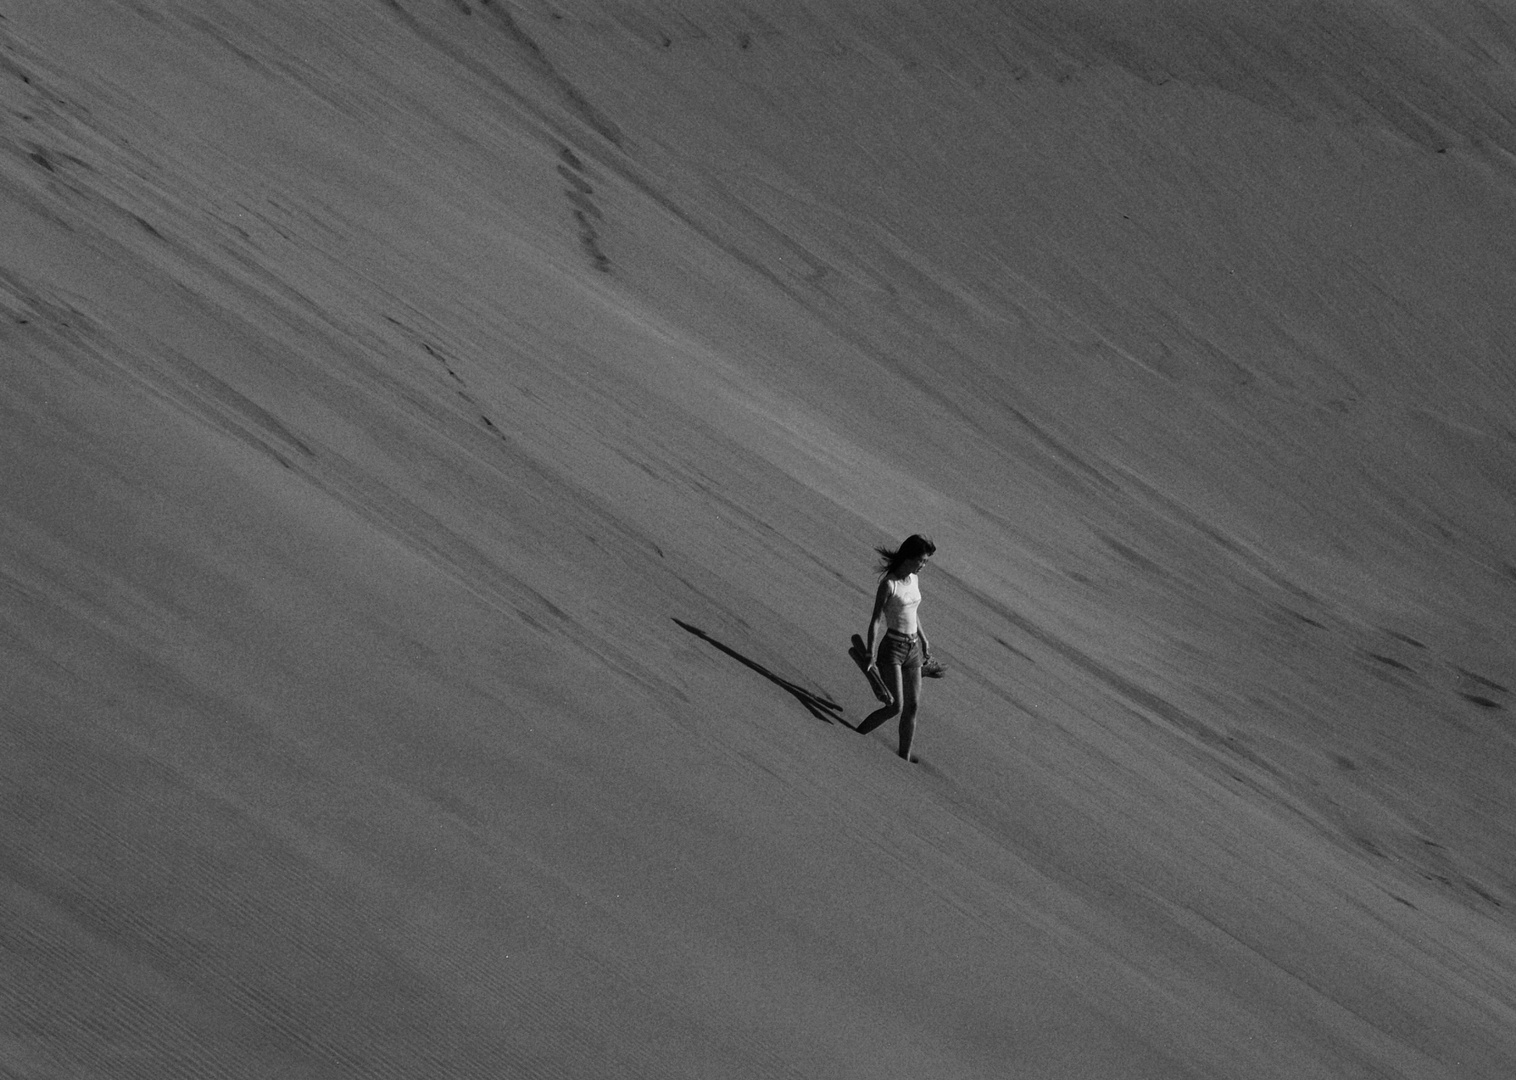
[860,657]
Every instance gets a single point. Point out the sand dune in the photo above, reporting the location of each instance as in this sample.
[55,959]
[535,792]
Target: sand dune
[443,442]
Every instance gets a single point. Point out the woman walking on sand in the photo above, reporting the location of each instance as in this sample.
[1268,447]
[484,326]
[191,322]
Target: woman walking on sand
[899,653]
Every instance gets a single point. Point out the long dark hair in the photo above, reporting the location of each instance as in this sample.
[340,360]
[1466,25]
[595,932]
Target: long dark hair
[914,547]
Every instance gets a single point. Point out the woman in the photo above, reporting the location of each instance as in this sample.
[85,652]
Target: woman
[899,653]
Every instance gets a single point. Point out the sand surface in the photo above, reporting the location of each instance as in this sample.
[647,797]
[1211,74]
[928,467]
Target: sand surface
[441,443]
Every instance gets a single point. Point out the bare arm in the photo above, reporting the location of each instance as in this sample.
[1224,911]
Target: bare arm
[876,623]
[926,648]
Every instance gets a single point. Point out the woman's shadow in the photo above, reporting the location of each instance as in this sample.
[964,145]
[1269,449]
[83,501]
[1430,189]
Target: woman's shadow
[821,708]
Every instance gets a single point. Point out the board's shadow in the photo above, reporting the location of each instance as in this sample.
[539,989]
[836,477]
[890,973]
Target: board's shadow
[821,708]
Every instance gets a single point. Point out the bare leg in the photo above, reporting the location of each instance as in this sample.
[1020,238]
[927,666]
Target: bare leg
[892,679]
[911,678]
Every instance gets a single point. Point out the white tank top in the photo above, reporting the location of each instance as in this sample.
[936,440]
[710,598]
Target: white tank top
[901,604]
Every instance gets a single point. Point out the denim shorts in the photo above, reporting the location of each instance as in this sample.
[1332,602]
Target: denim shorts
[898,650]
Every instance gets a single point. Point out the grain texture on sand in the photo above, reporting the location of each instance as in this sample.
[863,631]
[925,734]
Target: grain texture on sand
[440,448]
